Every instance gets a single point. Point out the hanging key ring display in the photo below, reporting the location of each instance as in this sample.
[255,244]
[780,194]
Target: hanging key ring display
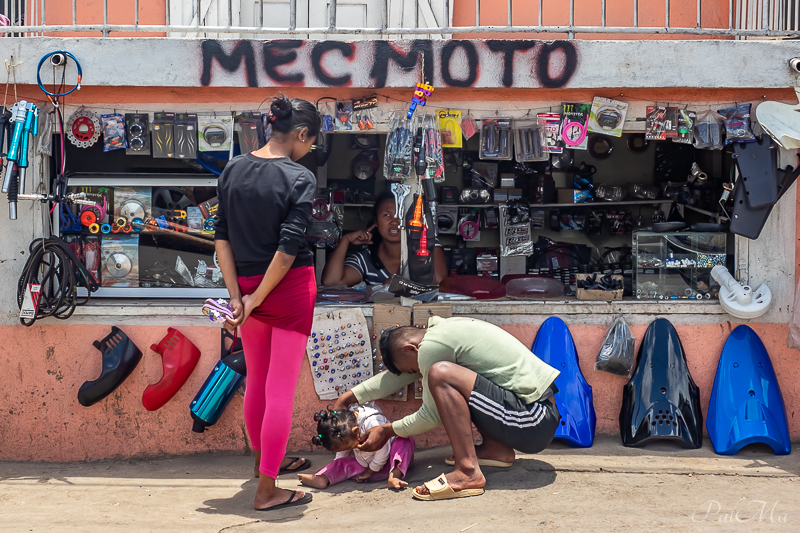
[59,59]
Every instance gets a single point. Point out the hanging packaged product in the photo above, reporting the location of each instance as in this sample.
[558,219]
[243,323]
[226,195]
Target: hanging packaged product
[113,132]
[434,156]
[185,136]
[709,131]
[137,127]
[450,127]
[686,120]
[468,127]
[737,124]
[163,135]
[344,116]
[530,141]
[327,111]
[251,131]
[655,123]
[215,133]
[83,128]
[515,229]
[399,146]
[607,116]
[496,138]
[362,108]
[575,125]
[552,128]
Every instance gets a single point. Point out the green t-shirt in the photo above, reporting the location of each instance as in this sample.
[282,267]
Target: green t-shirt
[483,348]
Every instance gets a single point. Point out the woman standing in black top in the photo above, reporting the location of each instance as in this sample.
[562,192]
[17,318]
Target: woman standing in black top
[265,200]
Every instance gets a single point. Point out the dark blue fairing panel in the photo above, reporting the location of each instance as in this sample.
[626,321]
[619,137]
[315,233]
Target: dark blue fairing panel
[554,346]
[746,403]
[661,401]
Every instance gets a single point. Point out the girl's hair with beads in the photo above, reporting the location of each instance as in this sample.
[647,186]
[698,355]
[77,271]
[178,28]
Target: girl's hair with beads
[334,427]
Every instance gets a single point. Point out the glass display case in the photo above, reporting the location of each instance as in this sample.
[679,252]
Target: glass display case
[147,235]
[677,266]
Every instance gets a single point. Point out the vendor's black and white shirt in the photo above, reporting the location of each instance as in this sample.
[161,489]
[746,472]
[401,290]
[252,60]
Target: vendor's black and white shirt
[364,265]
[370,274]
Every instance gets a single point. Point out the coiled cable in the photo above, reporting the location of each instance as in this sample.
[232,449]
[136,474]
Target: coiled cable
[60,272]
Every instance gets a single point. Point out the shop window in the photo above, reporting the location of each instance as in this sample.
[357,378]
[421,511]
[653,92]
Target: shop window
[164,245]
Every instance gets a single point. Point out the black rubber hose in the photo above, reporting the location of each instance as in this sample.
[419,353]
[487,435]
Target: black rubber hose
[60,272]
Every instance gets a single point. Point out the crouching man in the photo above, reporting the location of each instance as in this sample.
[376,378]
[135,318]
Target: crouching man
[472,371]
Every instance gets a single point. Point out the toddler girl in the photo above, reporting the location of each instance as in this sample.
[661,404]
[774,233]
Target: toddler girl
[338,431]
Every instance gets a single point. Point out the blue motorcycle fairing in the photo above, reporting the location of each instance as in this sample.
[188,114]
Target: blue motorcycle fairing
[554,346]
[746,403]
[661,401]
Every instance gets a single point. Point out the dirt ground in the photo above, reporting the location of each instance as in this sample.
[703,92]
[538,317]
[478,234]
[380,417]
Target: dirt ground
[601,489]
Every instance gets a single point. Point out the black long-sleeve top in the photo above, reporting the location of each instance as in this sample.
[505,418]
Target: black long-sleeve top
[264,207]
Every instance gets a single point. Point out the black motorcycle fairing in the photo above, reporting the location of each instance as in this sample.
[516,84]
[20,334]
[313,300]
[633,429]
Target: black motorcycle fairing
[661,401]
[120,357]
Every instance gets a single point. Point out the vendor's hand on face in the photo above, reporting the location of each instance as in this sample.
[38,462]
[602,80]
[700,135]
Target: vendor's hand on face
[361,236]
[375,438]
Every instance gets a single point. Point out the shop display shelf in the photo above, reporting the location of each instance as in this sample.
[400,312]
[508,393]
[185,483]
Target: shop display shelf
[677,265]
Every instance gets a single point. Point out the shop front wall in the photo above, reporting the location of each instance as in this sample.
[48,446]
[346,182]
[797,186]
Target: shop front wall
[43,367]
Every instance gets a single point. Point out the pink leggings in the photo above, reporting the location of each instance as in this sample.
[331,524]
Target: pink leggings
[401,456]
[274,357]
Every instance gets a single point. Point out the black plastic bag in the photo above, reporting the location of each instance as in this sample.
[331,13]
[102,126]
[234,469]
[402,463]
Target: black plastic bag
[617,351]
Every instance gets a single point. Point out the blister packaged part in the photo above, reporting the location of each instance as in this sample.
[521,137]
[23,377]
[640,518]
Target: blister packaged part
[617,351]
[399,148]
[530,141]
[496,138]
[708,131]
[113,132]
[737,124]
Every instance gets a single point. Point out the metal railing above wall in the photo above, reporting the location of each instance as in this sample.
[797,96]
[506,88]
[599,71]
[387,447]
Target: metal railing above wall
[334,19]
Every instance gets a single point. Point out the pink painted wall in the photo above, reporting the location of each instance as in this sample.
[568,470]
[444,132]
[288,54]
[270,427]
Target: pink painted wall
[619,13]
[43,368]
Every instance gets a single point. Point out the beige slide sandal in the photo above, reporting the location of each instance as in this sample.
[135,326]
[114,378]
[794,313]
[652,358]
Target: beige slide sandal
[440,489]
[484,462]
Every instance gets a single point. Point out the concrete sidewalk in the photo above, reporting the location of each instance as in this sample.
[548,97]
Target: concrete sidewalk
[603,488]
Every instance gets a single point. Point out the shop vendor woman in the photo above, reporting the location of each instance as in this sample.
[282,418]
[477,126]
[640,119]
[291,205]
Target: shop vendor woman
[381,260]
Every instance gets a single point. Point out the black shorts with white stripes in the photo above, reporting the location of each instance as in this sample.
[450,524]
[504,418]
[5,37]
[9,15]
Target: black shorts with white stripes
[502,414]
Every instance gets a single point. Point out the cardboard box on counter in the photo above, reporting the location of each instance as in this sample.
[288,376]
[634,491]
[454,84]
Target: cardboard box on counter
[597,295]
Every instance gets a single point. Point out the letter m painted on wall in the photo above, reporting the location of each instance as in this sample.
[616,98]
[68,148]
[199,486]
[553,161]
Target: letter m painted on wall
[242,51]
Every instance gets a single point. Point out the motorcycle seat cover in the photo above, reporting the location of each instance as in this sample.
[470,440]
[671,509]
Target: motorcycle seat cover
[120,357]
[661,400]
[179,357]
[746,404]
[554,345]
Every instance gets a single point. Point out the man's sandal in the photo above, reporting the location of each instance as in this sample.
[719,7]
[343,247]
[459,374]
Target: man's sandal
[440,489]
[484,462]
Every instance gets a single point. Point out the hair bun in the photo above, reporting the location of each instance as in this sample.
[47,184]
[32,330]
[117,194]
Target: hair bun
[281,108]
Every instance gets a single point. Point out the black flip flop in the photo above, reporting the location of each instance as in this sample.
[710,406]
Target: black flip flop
[289,503]
[305,466]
